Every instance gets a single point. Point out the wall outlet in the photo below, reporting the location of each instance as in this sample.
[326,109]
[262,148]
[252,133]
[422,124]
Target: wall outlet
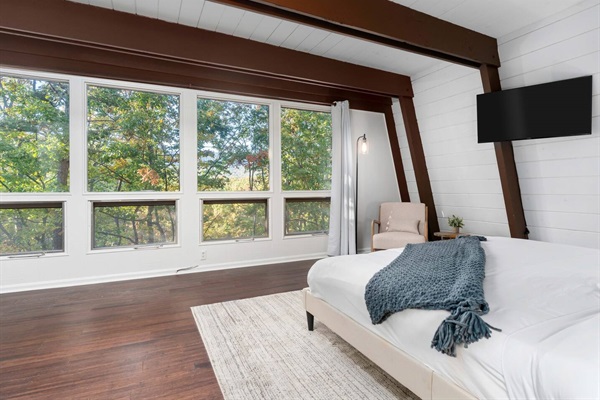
[203,255]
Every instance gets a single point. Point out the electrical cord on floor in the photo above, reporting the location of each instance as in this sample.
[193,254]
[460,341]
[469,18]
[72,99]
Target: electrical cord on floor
[187,268]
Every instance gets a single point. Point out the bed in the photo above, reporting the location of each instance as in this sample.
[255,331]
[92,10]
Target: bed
[545,297]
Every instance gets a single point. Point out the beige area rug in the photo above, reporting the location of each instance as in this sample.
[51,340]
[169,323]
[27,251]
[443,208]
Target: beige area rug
[260,348]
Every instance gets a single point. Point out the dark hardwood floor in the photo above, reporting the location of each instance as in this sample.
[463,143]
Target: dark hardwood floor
[123,340]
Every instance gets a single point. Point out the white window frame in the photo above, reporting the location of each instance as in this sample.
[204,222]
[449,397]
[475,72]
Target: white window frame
[134,87]
[40,253]
[44,197]
[290,194]
[125,202]
[307,198]
[269,236]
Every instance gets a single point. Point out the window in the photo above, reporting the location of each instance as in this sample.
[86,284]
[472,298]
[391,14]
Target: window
[253,156]
[306,167]
[134,224]
[34,135]
[234,219]
[31,228]
[233,146]
[306,216]
[133,140]
[305,150]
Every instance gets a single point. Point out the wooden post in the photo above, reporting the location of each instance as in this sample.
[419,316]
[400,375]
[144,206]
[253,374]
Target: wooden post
[396,155]
[506,166]
[418,160]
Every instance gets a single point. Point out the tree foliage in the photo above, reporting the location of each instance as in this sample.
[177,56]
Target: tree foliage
[133,144]
[132,225]
[305,165]
[34,135]
[241,220]
[306,216]
[24,230]
[133,140]
[305,150]
[233,146]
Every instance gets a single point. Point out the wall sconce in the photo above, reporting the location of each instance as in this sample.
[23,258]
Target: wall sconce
[364,146]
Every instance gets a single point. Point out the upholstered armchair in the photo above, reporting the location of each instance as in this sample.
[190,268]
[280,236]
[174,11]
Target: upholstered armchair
[398,225]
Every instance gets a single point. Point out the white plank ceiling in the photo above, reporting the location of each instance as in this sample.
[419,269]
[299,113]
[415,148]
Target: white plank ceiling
[491,17]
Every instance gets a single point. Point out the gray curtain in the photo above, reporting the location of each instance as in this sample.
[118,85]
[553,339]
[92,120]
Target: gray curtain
[342,232]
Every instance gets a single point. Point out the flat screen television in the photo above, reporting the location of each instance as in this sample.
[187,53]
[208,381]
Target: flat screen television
[562,108]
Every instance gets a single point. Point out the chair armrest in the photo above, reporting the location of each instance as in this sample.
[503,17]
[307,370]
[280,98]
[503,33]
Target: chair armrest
[373,231]
[426,230]
[373,226]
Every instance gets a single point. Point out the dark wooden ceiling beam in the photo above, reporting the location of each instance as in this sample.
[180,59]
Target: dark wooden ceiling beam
[387,23]
[38,54]
[507,168]
[390,123]
[74,23]
[417,155]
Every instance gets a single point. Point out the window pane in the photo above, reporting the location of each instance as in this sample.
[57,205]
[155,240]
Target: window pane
[128,224]
[236,219]
[133,140]
[34,135]
[305,150]
[304,216]
[233,146]
[31,228]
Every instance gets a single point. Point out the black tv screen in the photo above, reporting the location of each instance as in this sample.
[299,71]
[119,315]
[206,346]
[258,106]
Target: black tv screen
[562,108]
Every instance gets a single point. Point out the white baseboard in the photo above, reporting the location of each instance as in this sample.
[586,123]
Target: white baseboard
[152,274]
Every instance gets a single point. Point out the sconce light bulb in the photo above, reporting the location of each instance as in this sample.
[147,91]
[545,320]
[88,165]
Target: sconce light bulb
[364,148]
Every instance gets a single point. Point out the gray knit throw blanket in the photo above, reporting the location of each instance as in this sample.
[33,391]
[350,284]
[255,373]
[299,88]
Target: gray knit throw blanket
[443,275]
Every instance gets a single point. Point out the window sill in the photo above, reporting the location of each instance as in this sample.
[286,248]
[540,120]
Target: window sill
[234,241]
[127,249]
[305,236]
[22,257]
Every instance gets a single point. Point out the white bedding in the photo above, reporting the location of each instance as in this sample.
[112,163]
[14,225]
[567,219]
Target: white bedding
[545,298]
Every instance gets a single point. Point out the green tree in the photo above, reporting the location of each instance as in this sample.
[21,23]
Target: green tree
[31,229]
[34,135]
[305,165]
[233,146]
[134,224]
[306,216]
[133,140]
[34,158]
[305,150]
[133,145]
[234,220]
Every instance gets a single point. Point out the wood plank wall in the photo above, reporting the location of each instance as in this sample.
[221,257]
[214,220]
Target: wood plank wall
[559,177]
[464,174]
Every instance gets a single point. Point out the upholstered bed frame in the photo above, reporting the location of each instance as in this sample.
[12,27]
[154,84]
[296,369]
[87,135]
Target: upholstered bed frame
[410,372]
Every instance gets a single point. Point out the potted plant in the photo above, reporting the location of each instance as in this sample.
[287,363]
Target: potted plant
[456,223]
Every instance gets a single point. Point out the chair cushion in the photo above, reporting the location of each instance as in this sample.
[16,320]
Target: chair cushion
[410,225]
[392,240]
[389,212]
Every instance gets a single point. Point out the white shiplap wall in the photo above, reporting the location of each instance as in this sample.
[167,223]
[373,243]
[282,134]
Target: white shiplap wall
[559,178]
[463,174]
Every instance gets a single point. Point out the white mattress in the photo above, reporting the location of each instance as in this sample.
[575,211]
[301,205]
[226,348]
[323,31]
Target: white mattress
[528,285]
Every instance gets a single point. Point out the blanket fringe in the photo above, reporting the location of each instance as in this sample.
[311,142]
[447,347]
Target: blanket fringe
[463,326]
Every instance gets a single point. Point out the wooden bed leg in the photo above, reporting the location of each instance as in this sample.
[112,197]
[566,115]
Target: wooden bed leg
[311,321]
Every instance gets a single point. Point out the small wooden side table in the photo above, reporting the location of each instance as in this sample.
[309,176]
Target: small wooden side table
[449,235]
